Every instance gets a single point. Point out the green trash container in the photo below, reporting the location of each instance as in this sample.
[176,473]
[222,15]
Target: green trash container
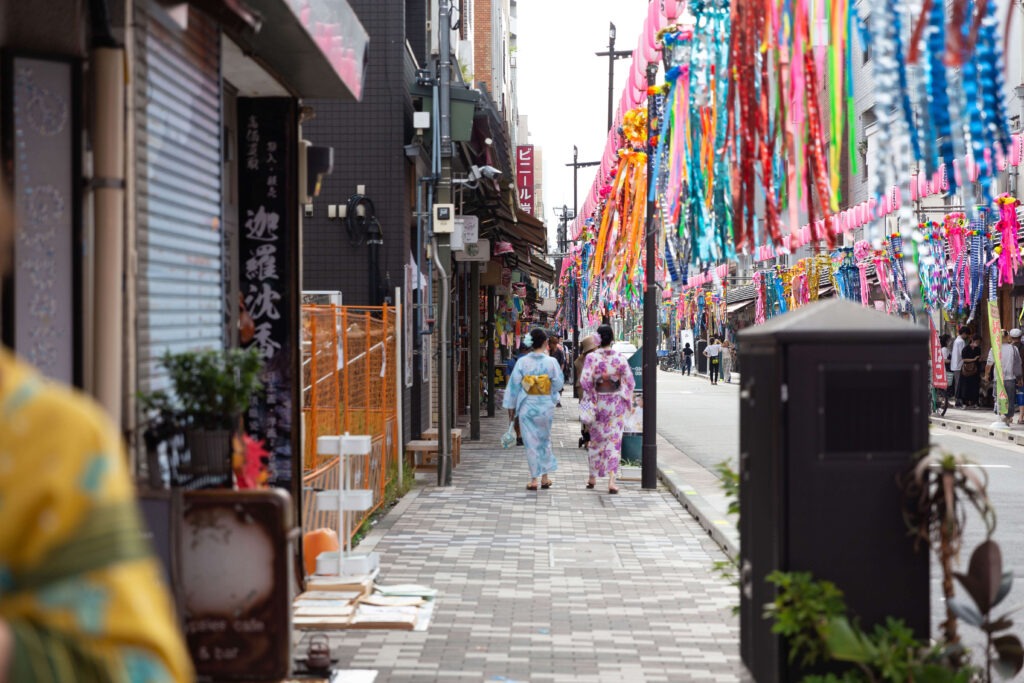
[632,447]
[633,439]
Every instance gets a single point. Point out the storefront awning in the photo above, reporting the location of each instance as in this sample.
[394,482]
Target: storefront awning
[317,49]
[738,306]
[531,230]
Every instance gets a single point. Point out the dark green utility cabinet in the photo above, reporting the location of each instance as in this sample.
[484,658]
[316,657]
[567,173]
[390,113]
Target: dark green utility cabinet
[832,409]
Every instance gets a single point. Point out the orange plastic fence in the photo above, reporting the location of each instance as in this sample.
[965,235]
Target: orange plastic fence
[348,368]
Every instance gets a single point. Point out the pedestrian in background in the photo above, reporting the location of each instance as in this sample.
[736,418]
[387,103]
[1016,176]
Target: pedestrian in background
[532,393]
[607,383]
[956,362]
[944,350]
[587,344]
[1011,367]
[713,352]
[510,365]
[81,595]
[687,358]
[970,373]
[558,353]
[726,355]
[1017,393]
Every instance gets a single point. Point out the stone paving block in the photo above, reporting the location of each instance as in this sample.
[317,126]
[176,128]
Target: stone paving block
[567,584]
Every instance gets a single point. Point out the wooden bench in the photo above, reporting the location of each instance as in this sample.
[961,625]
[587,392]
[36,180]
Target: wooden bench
[423,453]
[456,442]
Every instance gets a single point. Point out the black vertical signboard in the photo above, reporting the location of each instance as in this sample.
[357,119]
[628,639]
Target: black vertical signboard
[269,273]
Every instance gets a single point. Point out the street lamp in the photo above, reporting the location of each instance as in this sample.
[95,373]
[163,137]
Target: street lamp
[612,55]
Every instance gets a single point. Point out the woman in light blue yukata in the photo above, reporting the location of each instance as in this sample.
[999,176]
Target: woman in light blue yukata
[532,393]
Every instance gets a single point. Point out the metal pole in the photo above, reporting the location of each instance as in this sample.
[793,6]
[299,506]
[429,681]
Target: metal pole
[490,351]
[442,251]
[572,304]
[612,56]
[611,71]
[401,341]
[649,459]
[474,351]
[575,172]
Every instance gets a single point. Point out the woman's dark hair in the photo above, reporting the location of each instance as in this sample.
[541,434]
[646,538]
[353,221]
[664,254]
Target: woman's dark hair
[977,338]
[539,336]
[944,339]
[606,334]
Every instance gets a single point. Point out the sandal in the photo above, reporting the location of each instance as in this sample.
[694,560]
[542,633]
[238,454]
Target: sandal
[545,484]
[531,487]
[612,491]
[591,484]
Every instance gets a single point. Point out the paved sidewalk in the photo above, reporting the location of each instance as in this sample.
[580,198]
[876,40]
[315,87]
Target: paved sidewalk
[567,584]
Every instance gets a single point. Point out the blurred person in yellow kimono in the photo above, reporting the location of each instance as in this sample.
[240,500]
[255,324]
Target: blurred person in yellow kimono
[82,598]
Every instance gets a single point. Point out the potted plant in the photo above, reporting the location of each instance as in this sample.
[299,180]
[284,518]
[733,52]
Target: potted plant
[210,390]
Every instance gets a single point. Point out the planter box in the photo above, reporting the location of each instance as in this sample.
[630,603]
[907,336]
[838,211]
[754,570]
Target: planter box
[629,473]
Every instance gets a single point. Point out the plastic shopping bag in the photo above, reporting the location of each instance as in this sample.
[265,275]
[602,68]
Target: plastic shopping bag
[508,439]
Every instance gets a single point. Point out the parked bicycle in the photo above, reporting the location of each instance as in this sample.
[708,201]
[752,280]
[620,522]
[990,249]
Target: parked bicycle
[669,361]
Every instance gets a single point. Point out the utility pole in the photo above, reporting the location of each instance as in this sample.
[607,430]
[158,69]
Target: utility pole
[443,250]
[612,55]
[572,304]
[576,165]
[649,457]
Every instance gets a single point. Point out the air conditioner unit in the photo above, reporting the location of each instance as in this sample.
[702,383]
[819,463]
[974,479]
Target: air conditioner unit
[321,298]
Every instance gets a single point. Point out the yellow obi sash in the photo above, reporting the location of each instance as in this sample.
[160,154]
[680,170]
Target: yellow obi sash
[537,385]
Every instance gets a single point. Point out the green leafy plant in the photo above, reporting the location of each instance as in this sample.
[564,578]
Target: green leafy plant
[802,610]
[987,585]
[729,482]
[939,490]
[812,615]
[209,389]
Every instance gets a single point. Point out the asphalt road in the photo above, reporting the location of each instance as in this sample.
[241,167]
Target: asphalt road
[703,422]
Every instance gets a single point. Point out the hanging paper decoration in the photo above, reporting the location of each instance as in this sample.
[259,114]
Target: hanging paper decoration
[1009,257]
[747,157]
[976,238]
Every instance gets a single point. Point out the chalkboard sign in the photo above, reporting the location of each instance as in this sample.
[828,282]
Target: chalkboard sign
[236,559]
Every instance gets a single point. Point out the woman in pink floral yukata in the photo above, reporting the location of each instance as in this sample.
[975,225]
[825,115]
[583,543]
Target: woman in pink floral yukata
[607,383]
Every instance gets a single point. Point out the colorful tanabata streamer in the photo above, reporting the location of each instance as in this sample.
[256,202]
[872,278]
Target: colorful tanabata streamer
[745,148]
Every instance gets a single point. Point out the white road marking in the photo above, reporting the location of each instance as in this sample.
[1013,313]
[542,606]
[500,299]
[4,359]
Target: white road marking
[991,443]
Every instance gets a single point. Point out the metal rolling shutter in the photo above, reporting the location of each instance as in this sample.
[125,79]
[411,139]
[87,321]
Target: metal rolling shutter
[180,242]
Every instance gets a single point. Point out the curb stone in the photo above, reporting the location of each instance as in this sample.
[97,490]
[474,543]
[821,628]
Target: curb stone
[725,535]
[978,430]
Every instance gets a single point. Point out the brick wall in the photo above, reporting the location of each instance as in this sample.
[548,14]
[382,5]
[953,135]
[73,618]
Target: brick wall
[483,59]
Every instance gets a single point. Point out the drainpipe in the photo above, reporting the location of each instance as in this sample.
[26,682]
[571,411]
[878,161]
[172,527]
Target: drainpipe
[108,185]
[442,247]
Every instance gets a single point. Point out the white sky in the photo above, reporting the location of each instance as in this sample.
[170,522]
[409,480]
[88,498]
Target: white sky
[563,85]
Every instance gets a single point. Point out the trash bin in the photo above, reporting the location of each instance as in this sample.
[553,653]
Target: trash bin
[632,446]
[633,435]
[832,409]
